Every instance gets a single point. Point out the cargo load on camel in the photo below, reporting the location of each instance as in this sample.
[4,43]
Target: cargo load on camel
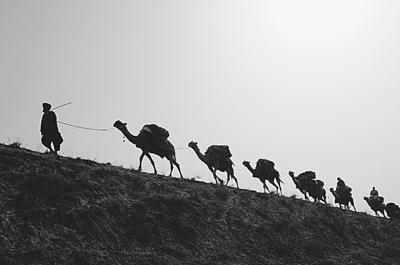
[154,131]
[264,163]
[219,151]
[308,175]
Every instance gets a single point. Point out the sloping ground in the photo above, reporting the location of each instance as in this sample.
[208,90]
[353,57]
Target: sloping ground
[74,211]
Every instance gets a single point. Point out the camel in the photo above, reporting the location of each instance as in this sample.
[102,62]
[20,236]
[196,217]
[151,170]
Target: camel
[393,210]
[376,205]
[265,171]
[147,143]
[217,157]
[299,185]
[343,199]
[317,191]
[306,183]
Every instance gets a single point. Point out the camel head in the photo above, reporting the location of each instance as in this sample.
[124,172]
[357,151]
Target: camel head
[366,198]
[246,163]
[332,190]
[120,125]
[296,182]
[193,145]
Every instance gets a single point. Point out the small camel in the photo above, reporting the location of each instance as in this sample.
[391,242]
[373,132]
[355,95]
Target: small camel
[343,199]
[299,185]
[217,157]
[392,210]
[144,141]
[307,183]
[376,205]
[265,171]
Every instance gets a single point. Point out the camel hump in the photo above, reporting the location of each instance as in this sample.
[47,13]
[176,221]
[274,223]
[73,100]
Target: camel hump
[393,210]
[221,151]
[309,175]
[155,130]
[377,199]
[344,191]
[320,182]
[264,163]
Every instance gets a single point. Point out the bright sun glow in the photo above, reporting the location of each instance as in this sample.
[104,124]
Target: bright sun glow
[314,23]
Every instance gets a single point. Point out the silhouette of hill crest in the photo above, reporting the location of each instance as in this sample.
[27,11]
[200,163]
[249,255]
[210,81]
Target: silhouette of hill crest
[76,211]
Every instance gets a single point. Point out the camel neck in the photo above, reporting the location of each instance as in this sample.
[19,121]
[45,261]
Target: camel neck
[295,180]
[250,168]
[200,155]
[132,138]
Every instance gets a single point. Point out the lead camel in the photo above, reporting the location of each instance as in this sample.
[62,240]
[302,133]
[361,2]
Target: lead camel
[149,143]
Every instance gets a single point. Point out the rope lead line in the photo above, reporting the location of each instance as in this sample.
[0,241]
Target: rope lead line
[61,106]
[85,128]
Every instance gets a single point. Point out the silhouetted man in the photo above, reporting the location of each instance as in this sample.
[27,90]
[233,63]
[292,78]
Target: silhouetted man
[374,196]
[342,189]
[49,129]
[374,192]
[340,184]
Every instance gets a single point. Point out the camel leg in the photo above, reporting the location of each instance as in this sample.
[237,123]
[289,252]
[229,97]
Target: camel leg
[212,171]
[172,168]
[305,196]
[140,162]
[152,162]
[266,187]
[228,178]
[383,212]
[178,167]
[235,179]
[280,188]
[221,182]
[230,173]
[273,184]
[352,203]
[215,176]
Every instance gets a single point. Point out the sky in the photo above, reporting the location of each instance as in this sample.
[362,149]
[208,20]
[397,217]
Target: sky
[310,85]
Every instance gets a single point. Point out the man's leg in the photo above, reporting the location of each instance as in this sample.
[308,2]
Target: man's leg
[56,143]
[57,140]
[46,141]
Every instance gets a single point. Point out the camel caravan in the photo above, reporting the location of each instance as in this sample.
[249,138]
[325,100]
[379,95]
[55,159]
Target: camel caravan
[153,139]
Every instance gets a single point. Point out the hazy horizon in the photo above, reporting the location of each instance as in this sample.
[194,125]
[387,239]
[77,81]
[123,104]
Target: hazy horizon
[310,85]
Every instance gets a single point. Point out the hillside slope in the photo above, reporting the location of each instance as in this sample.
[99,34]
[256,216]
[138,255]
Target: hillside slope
[75,211]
